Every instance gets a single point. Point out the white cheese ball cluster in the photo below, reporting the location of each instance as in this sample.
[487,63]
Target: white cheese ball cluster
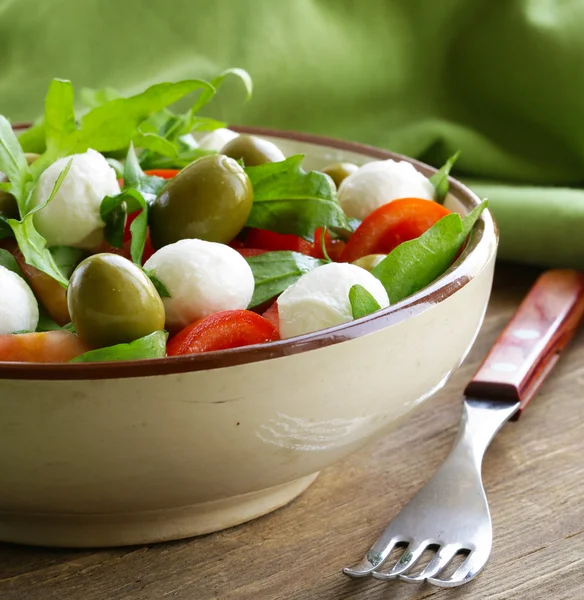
[320,298]
[19,310]
[377,183]
[72,217]
[202,278]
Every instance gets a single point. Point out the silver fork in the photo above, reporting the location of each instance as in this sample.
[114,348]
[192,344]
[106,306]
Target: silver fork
[451,511]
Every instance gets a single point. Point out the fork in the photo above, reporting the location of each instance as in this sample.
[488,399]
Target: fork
[451,512]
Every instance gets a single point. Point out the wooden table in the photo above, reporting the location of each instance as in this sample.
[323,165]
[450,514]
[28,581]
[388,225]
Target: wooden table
[533,473]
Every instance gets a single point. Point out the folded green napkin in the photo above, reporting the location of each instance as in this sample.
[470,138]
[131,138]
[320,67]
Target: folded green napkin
[502,81]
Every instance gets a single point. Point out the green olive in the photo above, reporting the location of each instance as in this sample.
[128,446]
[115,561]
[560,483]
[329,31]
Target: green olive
[338,172]
[370,261]
[252,150]
[8,206]
[112,301]
[210,200]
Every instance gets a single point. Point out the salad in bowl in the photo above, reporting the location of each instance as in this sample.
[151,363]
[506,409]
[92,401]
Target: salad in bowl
[129,231]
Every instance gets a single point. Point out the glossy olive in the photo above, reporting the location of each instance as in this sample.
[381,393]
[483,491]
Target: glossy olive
[338,172]
[8,206]
[210,200]
[370,261]
[112,301]
[252,150]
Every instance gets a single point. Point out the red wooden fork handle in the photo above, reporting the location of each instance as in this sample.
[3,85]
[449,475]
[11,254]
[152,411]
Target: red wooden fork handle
[529,346]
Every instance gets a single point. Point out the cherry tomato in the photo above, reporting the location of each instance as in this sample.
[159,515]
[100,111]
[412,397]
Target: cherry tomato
[164,173]
[390,225]
[221,331]
[334,248]
[272,316]
[47,347]
[269,240]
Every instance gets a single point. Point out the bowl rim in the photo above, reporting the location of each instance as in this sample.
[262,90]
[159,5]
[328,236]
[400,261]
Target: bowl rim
[483,241]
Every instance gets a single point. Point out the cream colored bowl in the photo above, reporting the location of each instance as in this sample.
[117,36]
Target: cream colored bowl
[128,453]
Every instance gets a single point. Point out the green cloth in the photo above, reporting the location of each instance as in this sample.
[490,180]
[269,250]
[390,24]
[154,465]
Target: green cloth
[502,81]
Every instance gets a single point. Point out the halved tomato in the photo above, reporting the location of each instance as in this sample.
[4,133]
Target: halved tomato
[221,331]
[47,347]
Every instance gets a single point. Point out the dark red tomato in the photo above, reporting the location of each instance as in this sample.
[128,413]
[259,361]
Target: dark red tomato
[334,248]
[272,316]
[390,225]
[221,331]
[269,240]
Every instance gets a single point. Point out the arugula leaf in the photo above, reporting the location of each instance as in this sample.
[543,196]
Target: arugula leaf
[107,127]
[47,324]
[440,178]
[150,346]
[160,287]
[67,258]
[180,161]
[207,95]
[273,272]
[155,143]
[113,210]
[416,263]
[9,262]
[148,185]
[362,302]
[287,199]
[32,244]
[33,138]
[13,164]
[92,98]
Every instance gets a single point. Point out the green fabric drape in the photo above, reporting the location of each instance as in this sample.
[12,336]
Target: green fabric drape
[503,81]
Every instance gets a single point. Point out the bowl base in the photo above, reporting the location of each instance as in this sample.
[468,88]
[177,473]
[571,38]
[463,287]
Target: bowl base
[128,529]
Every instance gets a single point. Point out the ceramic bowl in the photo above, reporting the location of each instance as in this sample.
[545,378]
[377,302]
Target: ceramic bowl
[138,452]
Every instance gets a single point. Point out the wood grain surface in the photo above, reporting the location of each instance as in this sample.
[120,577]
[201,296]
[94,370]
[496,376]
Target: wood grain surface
[533,474]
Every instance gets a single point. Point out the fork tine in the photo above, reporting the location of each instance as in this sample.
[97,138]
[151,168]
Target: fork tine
[438,563]
[468,570]
[371,560]
[411,554]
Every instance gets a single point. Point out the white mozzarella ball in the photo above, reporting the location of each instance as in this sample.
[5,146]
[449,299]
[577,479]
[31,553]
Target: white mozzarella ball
[320,298]
[19,310]
[215,140]
[72,217]
[202,278]
[379,182]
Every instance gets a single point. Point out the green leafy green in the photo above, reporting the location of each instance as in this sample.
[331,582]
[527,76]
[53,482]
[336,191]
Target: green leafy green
[92,98]
[160,287]
[273,272]
[31,243]
[13,164]
[416,263]
[440,178]
[67,258]
[47,324]
[113,210]
[9,262]
[107,127]
[362,302]
[150,346]
[148,185]
[287,199]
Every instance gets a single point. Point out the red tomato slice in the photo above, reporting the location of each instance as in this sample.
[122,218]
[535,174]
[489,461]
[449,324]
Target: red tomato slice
[269,240]
[164,173]
[272,316]
[221,331]
[47,347]
[334,248]
[390,225]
